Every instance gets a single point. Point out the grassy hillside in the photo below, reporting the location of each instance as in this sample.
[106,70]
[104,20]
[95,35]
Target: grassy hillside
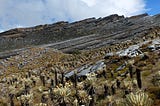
[123,74]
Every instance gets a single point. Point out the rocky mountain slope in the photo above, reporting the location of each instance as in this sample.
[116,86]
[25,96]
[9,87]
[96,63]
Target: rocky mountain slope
[85,34]
[93,62]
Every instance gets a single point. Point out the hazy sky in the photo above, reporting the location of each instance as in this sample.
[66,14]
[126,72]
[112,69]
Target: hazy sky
[24,13]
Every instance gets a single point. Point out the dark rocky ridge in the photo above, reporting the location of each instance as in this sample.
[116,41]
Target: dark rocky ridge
[86,34]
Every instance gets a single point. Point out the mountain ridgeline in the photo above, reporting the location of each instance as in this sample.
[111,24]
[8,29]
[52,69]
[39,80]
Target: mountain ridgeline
[85,34]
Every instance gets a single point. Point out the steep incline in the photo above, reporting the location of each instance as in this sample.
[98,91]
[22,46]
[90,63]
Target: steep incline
[86,34]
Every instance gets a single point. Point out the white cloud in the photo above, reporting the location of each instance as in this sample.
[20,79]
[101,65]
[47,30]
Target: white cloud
[15,13]
[90,3]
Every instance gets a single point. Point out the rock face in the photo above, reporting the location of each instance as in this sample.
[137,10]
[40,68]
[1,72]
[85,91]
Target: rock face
[132,51]
[82,35]
[85,34]
[82,71]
